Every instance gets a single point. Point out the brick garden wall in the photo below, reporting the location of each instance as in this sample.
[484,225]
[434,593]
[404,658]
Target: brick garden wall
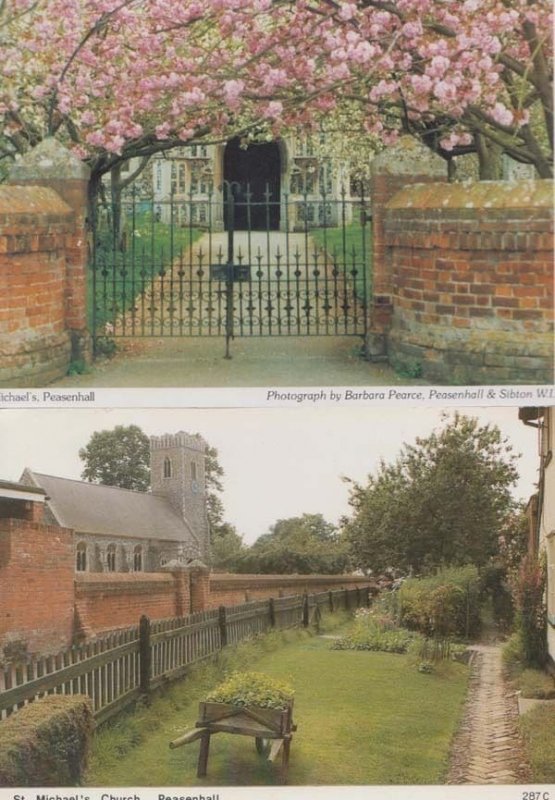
[472,281]
[35,345]
[45,604]
[36,585]
[230,589]
[104,601]
[43,257]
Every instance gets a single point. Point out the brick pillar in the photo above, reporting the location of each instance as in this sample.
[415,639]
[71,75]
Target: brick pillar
[182,591]
[34,512]
[51,164]
[200,586]
[405,163]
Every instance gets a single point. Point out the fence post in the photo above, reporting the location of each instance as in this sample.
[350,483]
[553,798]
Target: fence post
[222,622]
[330,595]
[272,612]
[358,597]
[368,597]
[145,656]
[347,603]
[306,611]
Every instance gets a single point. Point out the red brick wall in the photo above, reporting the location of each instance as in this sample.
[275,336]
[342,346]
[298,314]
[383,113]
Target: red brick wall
[472,274]
[228,590]
[104,601]
[36,226]
[36,585]
[47,605]
[404,163]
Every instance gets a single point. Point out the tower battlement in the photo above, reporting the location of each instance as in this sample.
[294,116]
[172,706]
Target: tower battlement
[179,439]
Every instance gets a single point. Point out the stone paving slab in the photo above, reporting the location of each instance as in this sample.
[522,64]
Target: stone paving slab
[487,748]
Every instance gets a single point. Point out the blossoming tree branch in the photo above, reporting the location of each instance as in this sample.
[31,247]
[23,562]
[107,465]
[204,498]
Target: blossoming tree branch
[122,78]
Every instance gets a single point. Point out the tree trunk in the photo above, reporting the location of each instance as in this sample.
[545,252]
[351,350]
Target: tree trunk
[489,159]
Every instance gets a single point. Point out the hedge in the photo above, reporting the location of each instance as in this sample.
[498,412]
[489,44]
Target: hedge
[47,742]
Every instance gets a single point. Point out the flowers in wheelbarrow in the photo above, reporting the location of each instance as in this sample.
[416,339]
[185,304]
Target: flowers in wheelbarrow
[252,689]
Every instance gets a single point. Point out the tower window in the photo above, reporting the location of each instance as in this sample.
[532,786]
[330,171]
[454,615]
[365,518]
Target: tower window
[193,470]
[138,558]
[111,558]
[81,557]
[167,468]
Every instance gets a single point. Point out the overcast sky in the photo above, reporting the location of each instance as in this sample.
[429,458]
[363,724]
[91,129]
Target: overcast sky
[278,462]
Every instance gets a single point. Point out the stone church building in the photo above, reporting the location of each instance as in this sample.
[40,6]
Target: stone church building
[279,185]
[119,530]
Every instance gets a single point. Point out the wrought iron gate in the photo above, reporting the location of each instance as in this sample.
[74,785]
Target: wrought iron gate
[180,267]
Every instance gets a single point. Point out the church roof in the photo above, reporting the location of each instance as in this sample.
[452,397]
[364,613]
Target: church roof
[94,508]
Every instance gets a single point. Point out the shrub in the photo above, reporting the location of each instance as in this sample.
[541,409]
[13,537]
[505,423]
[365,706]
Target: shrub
[513,654]
[531,618]
[252,689]
[387,641]
[443,605]
[46,743]
[375,629]
[536,683]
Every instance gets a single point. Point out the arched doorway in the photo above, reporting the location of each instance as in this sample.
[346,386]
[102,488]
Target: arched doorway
[256,169]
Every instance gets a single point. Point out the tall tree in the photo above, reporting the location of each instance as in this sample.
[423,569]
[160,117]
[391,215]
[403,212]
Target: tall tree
[444,501]
[118,457]
[306,544]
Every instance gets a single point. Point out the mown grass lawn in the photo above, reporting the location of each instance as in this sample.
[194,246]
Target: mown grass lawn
[349,247]
[538,729]
[151,247]
[363,718]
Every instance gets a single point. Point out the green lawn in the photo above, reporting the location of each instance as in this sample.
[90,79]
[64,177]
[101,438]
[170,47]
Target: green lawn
[350,248]
[121,274]
[538,730]
[363,718]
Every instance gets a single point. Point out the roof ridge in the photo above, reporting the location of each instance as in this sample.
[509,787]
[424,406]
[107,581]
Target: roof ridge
[91,483]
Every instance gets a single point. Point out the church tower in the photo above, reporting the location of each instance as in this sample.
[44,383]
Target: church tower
[178,472]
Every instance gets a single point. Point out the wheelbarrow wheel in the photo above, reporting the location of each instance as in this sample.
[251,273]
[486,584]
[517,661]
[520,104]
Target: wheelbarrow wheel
[263,746]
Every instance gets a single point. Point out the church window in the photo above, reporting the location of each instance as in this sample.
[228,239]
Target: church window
[167,468]
[181,178]
[138,558]
[111,558]
[81,557]
[193,470]
[158,177]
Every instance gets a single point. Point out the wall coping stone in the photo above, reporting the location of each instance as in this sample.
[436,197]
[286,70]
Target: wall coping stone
[49,160]
[271,580]
[16,200]
[475,194]
[111,578]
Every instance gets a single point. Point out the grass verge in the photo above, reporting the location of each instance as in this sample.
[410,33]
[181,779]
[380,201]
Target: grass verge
[538,730]
[364,718]
[351,248]
[121,275]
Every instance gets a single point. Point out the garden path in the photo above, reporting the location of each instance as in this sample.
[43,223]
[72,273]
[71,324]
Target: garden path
[487,748]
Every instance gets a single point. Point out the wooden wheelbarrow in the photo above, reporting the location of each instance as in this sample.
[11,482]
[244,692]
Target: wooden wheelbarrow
[272,730]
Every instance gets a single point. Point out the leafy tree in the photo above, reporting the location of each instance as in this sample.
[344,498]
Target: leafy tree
[444,501]
[226,546]
[118,457]
[122,79]
[304,545]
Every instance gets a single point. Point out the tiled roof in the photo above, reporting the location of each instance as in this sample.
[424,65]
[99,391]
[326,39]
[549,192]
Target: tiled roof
[94,508]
